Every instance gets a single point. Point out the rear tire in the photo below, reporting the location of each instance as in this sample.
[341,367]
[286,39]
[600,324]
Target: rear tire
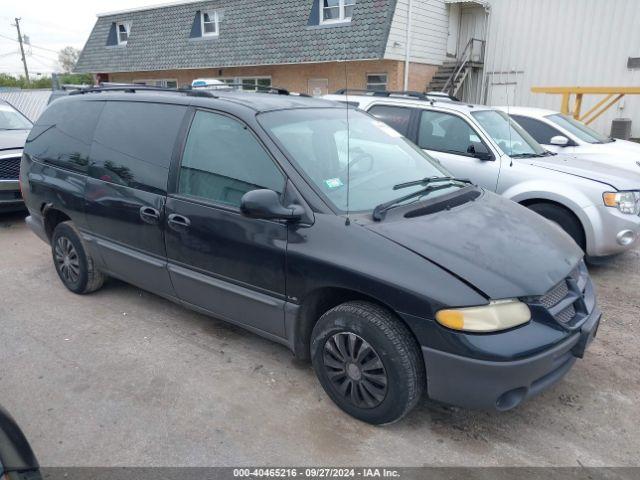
[564,218]
[368,362]
[74,265]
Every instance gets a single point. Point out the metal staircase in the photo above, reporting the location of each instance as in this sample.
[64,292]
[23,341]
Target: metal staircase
[451,75]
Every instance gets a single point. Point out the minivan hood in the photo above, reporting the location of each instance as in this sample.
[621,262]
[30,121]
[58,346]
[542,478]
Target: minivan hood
[12,139]
[616,176]
[501,248]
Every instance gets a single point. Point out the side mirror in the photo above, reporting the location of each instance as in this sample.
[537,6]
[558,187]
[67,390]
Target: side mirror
[265,204]
[480,151]
[560,141]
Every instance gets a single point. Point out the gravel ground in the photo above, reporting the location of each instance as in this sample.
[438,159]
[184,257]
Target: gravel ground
[125,378]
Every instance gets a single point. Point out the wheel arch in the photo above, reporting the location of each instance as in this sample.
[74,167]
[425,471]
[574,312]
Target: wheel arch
[537,201]
[572,200]
[52,217]
[318,302]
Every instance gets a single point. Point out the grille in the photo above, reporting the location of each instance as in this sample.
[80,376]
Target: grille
[9,168]
[556,295]
[566,315]
[565,301]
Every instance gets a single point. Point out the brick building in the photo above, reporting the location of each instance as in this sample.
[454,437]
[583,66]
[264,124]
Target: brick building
[311,46]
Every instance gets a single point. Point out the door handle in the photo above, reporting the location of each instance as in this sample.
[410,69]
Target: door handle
[149,215]
[178,222]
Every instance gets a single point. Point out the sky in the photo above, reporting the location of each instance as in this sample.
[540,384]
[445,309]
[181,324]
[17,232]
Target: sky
[50,25]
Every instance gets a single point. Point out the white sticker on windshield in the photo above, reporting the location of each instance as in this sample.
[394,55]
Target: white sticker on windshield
[387,129]
[333,183]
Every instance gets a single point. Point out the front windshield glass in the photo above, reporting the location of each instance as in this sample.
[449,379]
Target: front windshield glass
[317,141]
[578,129]
[10,119]
[511,137]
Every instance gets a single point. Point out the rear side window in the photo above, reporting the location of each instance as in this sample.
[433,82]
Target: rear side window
[222,161]
[540,131]
[62,135]
[444,132]
[397,118]
[134,142]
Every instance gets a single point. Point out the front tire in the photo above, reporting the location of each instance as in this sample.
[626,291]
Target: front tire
[368,362]
[564,218]
[73,263]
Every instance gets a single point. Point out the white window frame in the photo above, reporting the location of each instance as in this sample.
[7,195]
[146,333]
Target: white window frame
[342,6]
[158,82]
[382,74]
[127,27]
[239,80]
[213,18]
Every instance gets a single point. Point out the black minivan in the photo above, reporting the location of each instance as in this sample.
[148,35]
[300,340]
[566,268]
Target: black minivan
[317,226]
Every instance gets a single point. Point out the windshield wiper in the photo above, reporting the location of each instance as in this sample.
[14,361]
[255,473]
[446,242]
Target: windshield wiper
[532,155]
[429,180]
[379,211]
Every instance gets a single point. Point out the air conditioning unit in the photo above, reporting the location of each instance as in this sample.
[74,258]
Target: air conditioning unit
[621,128]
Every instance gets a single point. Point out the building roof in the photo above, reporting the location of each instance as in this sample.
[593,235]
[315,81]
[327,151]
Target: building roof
[252,32]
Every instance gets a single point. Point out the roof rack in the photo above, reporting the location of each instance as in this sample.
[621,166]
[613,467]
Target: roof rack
[132,88]
[258,88]
[431,97]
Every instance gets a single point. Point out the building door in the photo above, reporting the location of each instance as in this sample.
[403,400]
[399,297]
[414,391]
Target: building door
[453,34]
[318,86]
[472,25]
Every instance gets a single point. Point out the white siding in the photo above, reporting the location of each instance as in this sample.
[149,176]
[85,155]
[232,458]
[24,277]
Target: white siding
[429,26]
[563,43]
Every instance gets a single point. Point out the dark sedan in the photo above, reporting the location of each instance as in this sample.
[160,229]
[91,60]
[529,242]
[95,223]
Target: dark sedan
[14,128]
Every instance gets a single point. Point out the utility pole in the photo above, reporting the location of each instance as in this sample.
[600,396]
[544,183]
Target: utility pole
[24,59]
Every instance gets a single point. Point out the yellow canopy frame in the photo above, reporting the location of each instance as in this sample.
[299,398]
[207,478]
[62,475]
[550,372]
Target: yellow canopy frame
[612,96]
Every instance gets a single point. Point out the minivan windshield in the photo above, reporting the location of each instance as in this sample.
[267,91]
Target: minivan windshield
[510,137]
[365,153]
[578,129]
[10,119]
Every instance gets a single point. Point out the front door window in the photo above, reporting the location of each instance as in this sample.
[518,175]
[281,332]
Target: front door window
[223,160]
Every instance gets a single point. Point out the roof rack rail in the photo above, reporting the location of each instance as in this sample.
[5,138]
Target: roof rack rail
[258,88]
[132,88]
[400,93]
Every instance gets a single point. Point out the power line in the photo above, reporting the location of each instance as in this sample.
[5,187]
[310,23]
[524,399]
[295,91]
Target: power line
[30,44]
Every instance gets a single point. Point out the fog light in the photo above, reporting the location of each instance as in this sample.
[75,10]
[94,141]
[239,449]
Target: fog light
[626,237]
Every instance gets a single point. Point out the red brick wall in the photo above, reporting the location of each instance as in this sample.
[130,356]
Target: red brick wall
[296,77]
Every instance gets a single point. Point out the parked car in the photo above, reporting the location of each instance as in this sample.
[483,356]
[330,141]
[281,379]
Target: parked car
[14,128]
[370,260]
[597,204]
[17,460]
[562,133]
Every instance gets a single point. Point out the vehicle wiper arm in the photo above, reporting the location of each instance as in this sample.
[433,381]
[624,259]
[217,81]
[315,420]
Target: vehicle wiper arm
[379,211]
[429,180]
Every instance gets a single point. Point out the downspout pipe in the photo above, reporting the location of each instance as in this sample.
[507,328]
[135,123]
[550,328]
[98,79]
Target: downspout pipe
[407,53]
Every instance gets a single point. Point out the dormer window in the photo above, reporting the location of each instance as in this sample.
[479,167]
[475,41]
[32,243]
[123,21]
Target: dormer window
[335,11]
[123,33]
[209,23]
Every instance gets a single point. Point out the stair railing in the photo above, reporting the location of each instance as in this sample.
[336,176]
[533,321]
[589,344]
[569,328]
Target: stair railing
[462,63]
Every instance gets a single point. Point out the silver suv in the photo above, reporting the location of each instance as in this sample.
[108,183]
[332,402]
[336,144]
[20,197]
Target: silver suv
[597,204]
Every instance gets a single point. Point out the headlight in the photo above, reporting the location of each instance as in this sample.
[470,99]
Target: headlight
[626,202]
[498,315]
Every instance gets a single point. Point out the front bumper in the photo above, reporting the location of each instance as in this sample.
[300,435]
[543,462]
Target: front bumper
[607,225]
[10,197]
[481,384]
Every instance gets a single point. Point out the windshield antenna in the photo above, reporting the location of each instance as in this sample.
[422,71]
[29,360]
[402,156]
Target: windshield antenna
[346,96]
